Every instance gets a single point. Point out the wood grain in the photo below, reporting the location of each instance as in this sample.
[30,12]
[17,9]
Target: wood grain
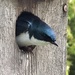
[44,60]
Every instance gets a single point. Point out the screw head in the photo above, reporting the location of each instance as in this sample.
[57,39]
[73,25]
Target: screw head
[65,8]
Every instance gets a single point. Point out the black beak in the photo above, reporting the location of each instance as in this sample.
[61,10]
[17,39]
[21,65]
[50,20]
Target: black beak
[55,44]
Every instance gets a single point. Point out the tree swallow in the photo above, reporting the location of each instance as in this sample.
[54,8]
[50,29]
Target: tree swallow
[31,30]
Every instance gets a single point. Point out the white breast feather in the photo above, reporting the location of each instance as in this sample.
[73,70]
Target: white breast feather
[23,40]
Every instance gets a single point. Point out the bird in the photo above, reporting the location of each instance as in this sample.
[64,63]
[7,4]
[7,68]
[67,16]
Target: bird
[32,31]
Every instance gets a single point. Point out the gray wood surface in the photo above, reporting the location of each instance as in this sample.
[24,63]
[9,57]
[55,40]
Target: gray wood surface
[45,60]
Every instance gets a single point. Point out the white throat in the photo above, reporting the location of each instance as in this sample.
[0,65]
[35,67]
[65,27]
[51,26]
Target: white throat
[23,40]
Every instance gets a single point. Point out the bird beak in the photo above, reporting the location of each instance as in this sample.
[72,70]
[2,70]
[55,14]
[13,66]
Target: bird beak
[55,44]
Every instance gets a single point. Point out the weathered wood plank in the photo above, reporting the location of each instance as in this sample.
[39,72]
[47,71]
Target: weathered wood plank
[45,60]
